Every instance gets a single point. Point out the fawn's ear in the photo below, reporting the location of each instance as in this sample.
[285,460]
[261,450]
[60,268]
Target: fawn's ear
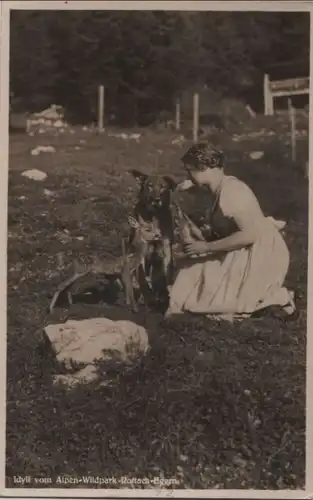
[139,176]
[133,222]
[170,182]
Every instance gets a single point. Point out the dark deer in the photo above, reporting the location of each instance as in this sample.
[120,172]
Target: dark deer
[154,204]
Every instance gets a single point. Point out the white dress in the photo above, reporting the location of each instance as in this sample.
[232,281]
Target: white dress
[240,281]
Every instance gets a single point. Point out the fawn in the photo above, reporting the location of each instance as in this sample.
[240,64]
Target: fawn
[189,231]
[128,271]
[139,258]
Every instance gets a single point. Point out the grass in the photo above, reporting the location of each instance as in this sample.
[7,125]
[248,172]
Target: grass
[213,405]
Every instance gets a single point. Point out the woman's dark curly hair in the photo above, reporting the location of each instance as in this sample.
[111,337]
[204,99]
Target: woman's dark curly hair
[202,156]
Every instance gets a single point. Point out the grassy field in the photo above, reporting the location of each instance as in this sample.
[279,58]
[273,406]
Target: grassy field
[213,405]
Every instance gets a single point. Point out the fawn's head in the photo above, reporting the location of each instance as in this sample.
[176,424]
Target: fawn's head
[147,231]
[154,191]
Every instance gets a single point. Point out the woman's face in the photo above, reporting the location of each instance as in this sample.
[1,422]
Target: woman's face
[200,177]
[195,176]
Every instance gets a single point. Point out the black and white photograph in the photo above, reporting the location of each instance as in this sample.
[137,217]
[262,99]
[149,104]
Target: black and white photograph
[156,200]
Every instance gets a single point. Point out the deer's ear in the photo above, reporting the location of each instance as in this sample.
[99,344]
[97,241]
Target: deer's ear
[139,176]
[170,182]
[133,222]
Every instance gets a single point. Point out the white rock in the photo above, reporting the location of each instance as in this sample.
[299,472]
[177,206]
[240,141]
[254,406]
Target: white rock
[84,376]
[58,124]
[34,174]
[52,113]
[95,339]
[48,193]
[256,155]
[179,140]
[136,137]
[42,149]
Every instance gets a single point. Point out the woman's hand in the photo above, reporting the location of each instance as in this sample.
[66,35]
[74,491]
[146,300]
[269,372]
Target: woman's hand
[196,247]
[184,185]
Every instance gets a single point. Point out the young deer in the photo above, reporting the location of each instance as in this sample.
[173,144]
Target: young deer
[188,230]
[137,257]
[126,269]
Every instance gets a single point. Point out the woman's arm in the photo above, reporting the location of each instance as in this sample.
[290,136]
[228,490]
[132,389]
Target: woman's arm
[239,204]
[240,239]
[235,241]
[247,234]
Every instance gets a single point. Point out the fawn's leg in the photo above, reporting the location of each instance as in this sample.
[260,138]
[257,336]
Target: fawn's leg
[127,282]
[65,287]
[144,285]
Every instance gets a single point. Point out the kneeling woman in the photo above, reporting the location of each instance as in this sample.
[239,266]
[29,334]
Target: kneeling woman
[243,271]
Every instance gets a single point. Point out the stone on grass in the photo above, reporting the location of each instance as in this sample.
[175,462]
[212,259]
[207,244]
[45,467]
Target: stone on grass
[49,193]
[58,124]
[256,155]
[179,140]
[85,343]
[136,137]
[86,375]
[42,149]
[34,174]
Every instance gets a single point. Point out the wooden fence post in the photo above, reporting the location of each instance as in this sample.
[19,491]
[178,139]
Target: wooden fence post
[195,128]
[265,94]
[177,114]
[101,108]
[292,117]
[268,96]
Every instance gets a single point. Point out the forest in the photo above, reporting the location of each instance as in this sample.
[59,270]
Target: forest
[145,59]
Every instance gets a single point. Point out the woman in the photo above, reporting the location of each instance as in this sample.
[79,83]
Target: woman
[244,269]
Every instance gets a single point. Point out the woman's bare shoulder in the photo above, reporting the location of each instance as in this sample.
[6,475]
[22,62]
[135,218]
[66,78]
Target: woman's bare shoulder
[237,195]
[231,182]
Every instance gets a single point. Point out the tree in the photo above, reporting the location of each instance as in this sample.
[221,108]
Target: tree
[145,58]
[32,65]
